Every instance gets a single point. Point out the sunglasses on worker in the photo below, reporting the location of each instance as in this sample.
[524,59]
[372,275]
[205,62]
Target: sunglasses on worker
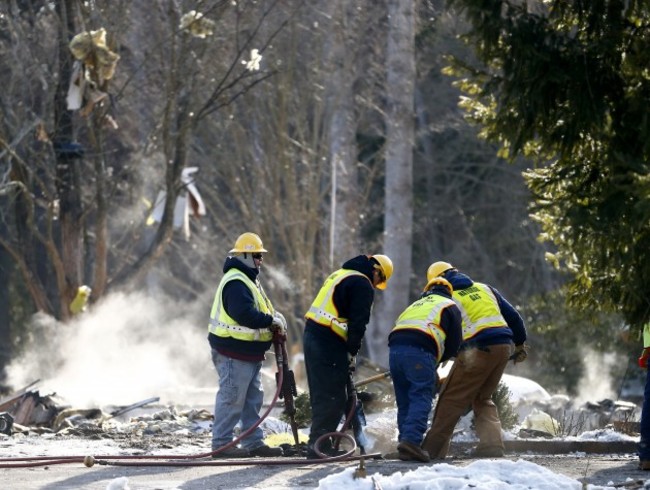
[257,256]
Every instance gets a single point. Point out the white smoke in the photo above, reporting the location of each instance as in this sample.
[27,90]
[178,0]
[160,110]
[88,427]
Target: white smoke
[597,382]
[124,349]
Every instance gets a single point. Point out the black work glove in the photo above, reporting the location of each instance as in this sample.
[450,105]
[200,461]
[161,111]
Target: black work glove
[353,348]
[352,363]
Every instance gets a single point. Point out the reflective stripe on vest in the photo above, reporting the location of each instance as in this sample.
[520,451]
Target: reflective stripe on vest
[323,311]
[424,316]
[479,309]
[222,325]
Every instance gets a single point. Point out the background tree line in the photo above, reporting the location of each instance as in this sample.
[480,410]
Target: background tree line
[347,140]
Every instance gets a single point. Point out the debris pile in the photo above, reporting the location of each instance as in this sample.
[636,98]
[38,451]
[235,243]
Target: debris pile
[28,411]
[550,420]
[153,427]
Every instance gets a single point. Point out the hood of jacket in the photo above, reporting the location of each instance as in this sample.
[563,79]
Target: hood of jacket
[458,280]
[235,263]
[360,263]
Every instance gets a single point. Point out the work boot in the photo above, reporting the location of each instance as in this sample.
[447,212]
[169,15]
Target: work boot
[232,452]
[401,455]
[393,455]
[488,452]
[265,451]
[311,452]
[414,451]
[644,464]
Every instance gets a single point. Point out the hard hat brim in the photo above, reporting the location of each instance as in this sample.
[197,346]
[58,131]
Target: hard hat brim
[235,251]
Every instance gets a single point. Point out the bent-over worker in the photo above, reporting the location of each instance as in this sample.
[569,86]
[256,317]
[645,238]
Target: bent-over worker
[335,326]
[426,333]
[490,327]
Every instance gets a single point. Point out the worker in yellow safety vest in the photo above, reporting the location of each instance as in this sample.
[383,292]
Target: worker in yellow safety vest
[493,333]
[426,333]
[334,328]
[240,331]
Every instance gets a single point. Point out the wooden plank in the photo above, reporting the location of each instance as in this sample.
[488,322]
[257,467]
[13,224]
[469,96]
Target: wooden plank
[142,403]
[7,402]
[22,414]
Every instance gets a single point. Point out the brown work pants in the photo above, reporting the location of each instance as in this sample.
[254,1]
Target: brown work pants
[472,380]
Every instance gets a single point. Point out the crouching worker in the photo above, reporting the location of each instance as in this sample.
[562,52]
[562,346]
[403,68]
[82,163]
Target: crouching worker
[425,334]
[241,328]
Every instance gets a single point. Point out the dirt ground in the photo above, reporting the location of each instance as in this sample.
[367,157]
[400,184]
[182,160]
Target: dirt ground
[616,469]
[613,470]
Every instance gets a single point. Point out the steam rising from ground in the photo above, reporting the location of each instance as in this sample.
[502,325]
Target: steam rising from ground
[131,347]
[125,349]
[597,382]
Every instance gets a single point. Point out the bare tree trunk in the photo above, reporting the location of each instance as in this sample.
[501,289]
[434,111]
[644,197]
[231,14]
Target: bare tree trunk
[398,217]
[100,262]
[6,347]
[67,169]
[341,68]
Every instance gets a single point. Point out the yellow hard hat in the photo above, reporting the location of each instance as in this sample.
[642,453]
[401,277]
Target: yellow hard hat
[437,269]
[248,243]
[439,280]
[386,268]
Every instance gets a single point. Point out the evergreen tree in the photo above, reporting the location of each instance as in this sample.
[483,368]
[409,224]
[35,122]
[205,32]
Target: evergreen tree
[566,84]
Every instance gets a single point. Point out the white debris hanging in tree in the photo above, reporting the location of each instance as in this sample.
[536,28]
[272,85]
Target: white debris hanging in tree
[188,202]
[254,63]
[197,24]
[94,67]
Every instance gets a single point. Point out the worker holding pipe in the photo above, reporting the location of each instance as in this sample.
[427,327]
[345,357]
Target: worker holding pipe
[241,326]
[426,333]
[493,334]
[335,326]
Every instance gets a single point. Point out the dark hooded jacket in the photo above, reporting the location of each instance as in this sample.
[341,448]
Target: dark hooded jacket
[353,298]
[239,303]
[450,322]
[514,331]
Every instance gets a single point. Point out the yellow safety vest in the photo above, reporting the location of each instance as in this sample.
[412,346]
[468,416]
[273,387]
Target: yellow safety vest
[323,311]
[479,309]
[424,316]
[646,335]
[222,325]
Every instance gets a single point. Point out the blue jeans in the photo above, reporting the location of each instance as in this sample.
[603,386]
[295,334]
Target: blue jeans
[239,400]
[413,370]
[644,443]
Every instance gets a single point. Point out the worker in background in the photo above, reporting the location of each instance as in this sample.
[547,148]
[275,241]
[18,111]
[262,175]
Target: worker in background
[490,327]
[335,326]
[242,322]
[644,443]
[428,332]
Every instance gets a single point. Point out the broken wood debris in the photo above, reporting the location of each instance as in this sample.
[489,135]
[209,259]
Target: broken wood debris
[27,408]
